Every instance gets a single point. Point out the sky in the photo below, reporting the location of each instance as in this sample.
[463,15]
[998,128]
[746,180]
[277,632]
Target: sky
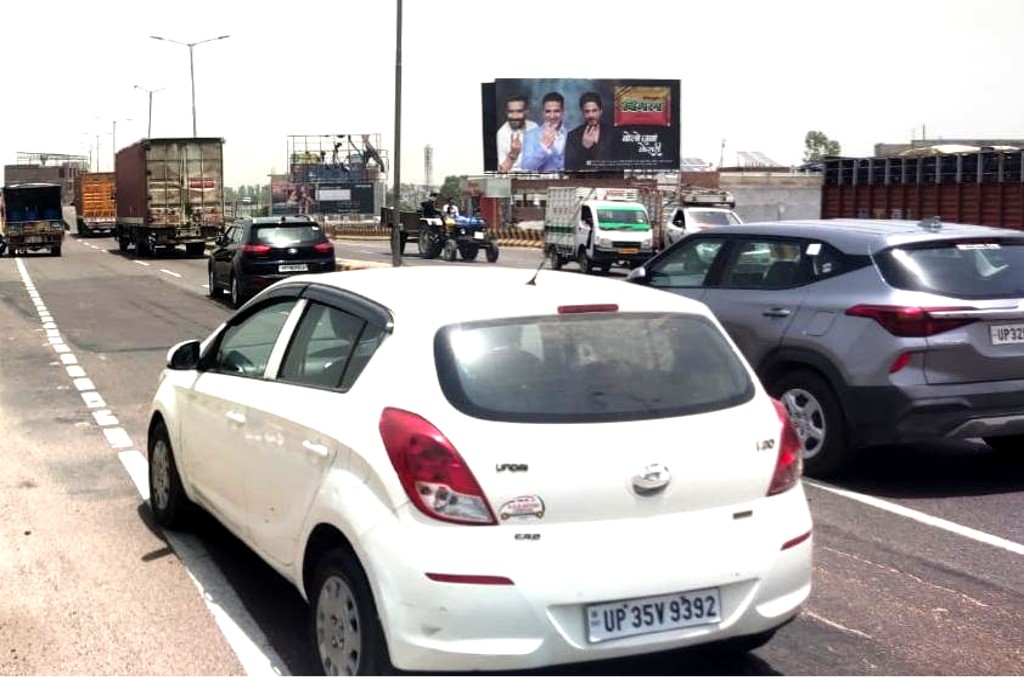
[758,74]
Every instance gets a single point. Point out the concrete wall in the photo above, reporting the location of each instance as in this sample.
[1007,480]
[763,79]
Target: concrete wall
[774,197]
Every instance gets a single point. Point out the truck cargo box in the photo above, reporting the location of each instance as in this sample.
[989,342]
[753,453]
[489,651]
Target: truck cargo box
[94,202]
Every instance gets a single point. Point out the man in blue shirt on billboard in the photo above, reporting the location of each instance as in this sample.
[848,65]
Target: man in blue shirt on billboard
[544,147]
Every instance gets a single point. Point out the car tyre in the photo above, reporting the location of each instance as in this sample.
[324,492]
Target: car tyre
[450,251]
[237,298]
[345,627]
[586,265]
[167,499]
[818,420]
[492,253]
[213,285]
[468,252]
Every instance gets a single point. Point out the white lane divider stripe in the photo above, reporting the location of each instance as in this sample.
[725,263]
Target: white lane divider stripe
[141,263]
[170,272]
[924,518]
[237,625]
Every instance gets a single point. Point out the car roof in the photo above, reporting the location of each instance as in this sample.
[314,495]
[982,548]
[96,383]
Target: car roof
[442,295]
[273,220]
[866,236]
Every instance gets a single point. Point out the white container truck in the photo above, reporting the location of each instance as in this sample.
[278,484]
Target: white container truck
[596,227]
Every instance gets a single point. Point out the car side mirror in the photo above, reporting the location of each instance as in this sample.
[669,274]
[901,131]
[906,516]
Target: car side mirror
[638,274]
[183,356]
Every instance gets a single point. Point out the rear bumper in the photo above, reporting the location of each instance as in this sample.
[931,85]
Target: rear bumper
[891,415]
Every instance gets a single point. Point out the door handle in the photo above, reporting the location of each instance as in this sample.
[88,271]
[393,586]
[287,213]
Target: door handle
[777,312]
[318,449]
[235,417]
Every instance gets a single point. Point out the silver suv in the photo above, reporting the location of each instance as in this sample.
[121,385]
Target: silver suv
[871,332]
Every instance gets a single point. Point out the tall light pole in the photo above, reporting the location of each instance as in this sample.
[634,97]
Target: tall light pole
[191,69]
[113,142]
[151,92]
[396,201]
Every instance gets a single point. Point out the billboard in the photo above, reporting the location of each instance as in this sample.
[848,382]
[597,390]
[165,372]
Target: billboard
[288,197]
[578,125]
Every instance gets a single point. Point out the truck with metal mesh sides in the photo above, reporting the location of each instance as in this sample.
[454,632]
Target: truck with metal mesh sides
[32,218]
[169,192]
[95,208]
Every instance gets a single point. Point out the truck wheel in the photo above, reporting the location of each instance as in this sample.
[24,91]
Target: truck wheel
[402,239]
[468,252]
[586,265]
[54,251]
[428,245]
[122,244]
[554,259]
[492,253]
[450,251]
[142,248]
[195,249]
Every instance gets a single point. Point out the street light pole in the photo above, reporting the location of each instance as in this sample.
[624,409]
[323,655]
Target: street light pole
[113,141]
[149,126]
[191,69]
[396,200]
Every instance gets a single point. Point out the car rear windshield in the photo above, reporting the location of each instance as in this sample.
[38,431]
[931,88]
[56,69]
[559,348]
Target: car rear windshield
[283,235]
[710,218]
[970,269]
[589,367]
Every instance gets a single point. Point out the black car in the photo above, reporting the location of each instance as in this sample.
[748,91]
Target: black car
[256,252]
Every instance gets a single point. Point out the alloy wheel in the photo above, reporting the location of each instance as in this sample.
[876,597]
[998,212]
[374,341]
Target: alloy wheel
[808,420]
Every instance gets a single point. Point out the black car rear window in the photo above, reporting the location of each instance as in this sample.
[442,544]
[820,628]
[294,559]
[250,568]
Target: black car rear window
[969,269]
[589,368]
[283,235]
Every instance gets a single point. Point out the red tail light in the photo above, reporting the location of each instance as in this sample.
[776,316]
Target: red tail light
[900,362]
[324,247]
[256,249]
[910,320]
[789,464]
[591,308]
[433,474]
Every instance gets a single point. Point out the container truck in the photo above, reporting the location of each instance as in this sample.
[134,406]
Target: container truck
[169,192]
[984,187]
[32,218]
[94,203]
[596,227]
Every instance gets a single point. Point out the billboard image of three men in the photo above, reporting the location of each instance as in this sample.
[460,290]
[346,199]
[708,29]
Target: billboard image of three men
[580,125]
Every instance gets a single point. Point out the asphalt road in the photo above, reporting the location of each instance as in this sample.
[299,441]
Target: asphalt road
[918,553]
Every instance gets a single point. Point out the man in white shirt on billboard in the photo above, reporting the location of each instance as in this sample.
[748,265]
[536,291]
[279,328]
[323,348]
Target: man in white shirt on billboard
[510,135]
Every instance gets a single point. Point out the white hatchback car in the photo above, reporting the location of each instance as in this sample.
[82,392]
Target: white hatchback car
[540,469]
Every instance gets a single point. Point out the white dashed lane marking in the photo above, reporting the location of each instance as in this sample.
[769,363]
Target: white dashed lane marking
[236,624]
[170,272]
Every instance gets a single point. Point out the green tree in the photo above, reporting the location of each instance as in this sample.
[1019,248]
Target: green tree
[817,146]
[452,187]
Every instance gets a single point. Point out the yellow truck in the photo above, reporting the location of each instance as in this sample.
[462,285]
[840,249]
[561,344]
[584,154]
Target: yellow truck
[95,207]
[33,218]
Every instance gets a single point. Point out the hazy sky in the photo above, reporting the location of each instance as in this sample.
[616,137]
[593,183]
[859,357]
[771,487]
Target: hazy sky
[757,73]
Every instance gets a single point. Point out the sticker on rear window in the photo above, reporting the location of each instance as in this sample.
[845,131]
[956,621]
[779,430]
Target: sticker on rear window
[967,246]
[814,249]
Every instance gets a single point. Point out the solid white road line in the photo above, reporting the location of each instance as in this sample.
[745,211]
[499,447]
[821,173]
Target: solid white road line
[240,630]
[923,518]
[170,272]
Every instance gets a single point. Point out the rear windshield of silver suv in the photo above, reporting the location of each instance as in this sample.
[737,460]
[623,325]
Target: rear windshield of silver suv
[969,268]
[589,367]
[283,235]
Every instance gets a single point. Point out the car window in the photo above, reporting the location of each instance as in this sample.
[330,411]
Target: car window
[707,217]
[235,236]
[330,349]
[965,269]
[589,367]
[685,266]
[763,264]
[244,348]
[284,235]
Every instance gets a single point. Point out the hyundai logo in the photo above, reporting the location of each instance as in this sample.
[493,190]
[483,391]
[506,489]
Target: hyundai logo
[293,250]
[652,480]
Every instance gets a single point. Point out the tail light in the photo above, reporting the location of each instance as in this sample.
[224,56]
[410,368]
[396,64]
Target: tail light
[911,320]
[789,464]
[324,247]
[589,308]
[256,249]
[433,474]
